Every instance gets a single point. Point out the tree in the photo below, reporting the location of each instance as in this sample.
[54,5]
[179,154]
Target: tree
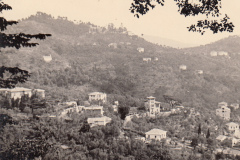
[199,129]
[194,142]
[209,8]
[17,41]
[208,133]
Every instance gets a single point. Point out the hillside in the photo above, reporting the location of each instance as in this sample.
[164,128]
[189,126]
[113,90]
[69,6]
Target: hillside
[83,62]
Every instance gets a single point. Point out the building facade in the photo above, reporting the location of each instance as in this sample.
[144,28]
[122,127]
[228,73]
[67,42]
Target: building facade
[156,134]
[16,93]
[153,106]
[98,96]
[224,112]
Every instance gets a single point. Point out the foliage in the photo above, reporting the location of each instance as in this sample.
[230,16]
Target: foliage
[17,41]
[193,8]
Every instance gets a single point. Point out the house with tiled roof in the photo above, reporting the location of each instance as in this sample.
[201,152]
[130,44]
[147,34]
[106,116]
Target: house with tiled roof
[156,134]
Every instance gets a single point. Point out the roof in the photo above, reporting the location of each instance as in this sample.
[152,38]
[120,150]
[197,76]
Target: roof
[17,89]
[221,137]
[40,90]
[156,131]
[95,93]
[150,97]
[94,107]
[232,123]
[225,107]
[94,119]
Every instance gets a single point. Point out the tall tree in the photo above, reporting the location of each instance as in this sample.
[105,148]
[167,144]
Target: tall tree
[199,129]
[208,133]
[209,8]
[16,40]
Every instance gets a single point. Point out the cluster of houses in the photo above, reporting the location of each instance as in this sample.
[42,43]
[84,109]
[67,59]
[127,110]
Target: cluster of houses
[224,110]
[95,112]
[233,133]
[18,92]
[220,53]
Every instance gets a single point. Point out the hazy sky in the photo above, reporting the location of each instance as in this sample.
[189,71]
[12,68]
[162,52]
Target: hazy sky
[163,22]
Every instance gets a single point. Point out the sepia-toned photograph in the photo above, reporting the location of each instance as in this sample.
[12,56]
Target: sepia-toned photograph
[119,80]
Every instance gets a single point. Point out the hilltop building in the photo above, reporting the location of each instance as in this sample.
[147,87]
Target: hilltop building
[183,67]
[153,106]
[224,112]
[213,53]
[140,50]
[156,134]
[147,59]
[47,58]
[97,96]
[113,45]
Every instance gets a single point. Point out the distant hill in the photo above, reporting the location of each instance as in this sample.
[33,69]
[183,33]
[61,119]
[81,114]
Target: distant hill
[167,42]
[89,58]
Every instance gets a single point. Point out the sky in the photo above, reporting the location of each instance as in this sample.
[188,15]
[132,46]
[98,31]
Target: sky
[163,21]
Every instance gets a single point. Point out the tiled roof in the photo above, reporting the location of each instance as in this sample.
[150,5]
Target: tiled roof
[156,131]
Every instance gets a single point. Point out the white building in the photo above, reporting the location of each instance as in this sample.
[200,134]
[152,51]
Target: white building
[183,67]
[232,126]
[98,121]
[153,106]
[199,71]
[147,59]
[47,58]
[156,134]
[224,112]
[15,93]
[213,53]
[98,96]
[140,49]
[234,105]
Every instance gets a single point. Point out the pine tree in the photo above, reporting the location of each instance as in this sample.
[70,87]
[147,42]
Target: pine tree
[16,41]
[199,129]
[208,133]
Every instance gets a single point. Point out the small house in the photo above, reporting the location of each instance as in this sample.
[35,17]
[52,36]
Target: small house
[213,53]
[15,93]
[96,121]
[156,134]
[199,71]
[47,58]
[112,45]
[140,49]
[234,105]
[183,67]
[232,126]
[147,59]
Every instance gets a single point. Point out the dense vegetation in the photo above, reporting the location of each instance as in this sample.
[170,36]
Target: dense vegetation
[83,62]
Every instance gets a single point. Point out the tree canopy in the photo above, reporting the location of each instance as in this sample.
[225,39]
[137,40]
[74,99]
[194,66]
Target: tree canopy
[16,40]
[209,8]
